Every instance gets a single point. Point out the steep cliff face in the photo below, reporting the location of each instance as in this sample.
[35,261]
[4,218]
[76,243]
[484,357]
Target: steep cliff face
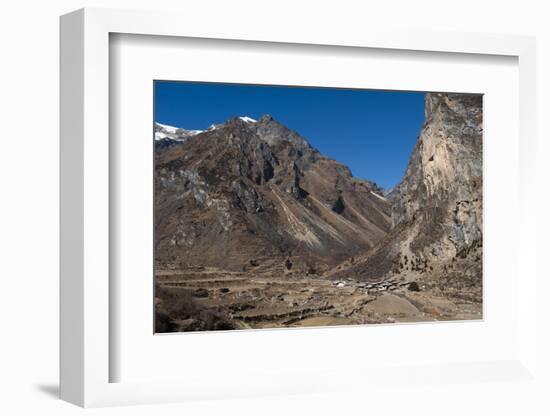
[443,182]
[255,194]
[437,208]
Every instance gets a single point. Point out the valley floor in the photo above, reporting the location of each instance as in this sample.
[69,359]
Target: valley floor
[245,300]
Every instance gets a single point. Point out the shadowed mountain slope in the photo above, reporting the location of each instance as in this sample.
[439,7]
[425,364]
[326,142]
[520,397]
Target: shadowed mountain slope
[255,194]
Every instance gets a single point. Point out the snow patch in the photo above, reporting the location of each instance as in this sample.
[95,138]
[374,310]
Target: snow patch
[160,135]
[194,132]
[379,196]
[247,119]
[167,128]
[165,131]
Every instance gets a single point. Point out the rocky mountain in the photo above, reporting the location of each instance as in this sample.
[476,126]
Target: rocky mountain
[253,194]
[437,208]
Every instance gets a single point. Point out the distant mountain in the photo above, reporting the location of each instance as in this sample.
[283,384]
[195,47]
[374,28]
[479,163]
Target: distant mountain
[166,136]
[252,193]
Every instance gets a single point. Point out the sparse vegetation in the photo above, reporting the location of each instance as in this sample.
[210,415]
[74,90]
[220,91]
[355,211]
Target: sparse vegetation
[177,310]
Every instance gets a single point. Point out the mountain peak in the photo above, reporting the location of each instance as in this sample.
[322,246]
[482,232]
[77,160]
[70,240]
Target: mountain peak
[260,185]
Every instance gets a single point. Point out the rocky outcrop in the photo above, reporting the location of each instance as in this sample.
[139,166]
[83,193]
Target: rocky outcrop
[443,182]
[255,192]
[437,207]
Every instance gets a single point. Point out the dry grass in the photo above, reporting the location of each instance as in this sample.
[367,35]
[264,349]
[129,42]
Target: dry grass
[177,310]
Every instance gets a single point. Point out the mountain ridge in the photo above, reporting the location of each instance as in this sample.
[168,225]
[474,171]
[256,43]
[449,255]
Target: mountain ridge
[267,179]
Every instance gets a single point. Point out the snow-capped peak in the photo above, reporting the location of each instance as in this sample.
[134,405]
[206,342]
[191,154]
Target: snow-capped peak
[167,128]
[247,119]
[164,131]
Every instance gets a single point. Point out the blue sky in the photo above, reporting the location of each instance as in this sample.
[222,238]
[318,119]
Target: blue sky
[372,132]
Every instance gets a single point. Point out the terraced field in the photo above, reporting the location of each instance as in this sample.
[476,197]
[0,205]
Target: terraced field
[268,300]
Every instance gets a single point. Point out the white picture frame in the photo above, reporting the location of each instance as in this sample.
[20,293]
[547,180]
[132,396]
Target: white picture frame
[86,356]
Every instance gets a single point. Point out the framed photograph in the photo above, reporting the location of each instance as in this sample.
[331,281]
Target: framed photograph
[373,215]
[281,213]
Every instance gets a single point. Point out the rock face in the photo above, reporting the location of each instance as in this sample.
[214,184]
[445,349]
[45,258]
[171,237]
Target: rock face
[443,181]
[251,194]
[437,207]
